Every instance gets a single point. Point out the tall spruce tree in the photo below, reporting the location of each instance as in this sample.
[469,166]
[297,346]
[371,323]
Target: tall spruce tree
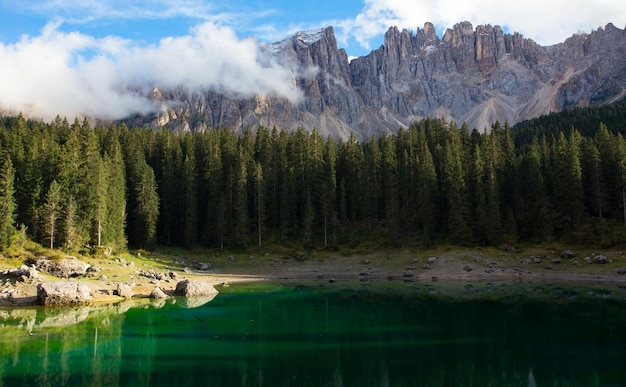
[52,211]
[7,201]
[113,166]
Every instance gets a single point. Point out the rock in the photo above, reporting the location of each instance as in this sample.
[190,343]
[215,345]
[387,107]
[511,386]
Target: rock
[152,274]
[63,293]
[23,273]
[587,260]
[414,75]
[204,266]
[427,267]
[365,261]
[231,259]
[158,293]
[103,277]
[431,260]
[94,269]
[556,261]
[192,288]
[64,267]
[509,248]
[468,268]
[536,259]
[526,261]
[173,275]
[602,259]
[131,264]
[408,273]
[567,254]
[124,290]
[301,256]
[621,270]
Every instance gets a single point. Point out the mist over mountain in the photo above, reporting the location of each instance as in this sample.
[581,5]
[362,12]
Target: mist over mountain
[472,75]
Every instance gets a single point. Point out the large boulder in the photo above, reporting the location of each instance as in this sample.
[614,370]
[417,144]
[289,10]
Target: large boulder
[124,290]
[602,259]
[64,267]
[158,293]
[63,293]
[190,288]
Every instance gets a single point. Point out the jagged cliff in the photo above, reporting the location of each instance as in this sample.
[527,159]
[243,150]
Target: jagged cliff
[468,75]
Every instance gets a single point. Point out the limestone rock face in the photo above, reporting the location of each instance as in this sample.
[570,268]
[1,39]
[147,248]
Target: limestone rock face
[471,74]
[63,293]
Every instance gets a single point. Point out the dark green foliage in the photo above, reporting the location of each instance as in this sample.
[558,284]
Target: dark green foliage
[72,185]
[7,201]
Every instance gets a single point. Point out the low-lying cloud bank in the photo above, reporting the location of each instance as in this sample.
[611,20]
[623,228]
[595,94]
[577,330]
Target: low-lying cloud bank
[73,74]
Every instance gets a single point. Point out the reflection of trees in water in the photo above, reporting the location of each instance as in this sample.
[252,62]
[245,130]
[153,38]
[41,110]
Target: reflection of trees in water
[327,338]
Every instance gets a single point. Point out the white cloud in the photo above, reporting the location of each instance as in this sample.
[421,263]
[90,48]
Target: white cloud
[547,22]
[72,74]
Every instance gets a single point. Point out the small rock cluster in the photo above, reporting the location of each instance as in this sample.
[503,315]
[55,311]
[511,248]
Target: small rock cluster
[153,274]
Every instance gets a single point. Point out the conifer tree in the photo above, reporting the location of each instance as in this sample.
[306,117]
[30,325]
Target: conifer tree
[189,201]
[113,166]
[7,201]
[259,203]
[52,211]
[427,191]
[142,194]
[457,214]
[329,189]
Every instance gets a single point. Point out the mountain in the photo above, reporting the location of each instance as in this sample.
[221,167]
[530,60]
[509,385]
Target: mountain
[472,75]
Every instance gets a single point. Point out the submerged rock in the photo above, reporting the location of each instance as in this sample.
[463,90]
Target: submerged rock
[190,288]
[63,293]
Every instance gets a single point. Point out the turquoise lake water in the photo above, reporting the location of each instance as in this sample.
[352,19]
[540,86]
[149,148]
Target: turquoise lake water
[387,334]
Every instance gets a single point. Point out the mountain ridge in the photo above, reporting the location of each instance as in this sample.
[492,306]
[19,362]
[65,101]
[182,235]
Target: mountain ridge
[469,75]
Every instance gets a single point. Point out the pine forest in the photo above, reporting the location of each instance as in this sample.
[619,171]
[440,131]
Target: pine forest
[68,185]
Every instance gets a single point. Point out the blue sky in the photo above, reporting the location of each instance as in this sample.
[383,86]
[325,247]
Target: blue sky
[74,57]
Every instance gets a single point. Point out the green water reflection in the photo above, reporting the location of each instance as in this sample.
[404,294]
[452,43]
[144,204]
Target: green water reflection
[364,335]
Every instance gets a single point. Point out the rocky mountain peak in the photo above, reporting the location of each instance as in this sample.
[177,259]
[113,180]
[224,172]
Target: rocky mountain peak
[471,74]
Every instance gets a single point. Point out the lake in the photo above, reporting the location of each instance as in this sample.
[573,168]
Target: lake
[387,333]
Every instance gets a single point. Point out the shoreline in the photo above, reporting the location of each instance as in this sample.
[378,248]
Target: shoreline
[469,266]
